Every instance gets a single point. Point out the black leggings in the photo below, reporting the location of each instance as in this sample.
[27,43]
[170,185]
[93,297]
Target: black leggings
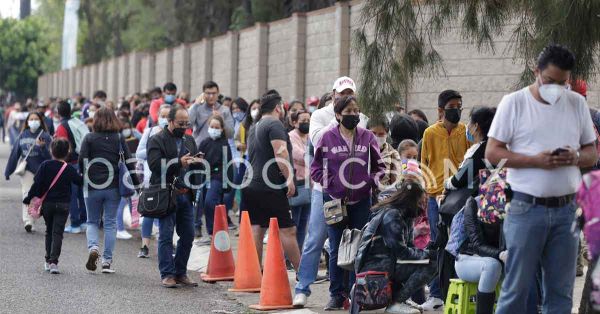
[55,215]
[409,278]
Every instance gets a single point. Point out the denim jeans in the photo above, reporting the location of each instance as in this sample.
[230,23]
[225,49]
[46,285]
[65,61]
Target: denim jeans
[213,196]
[77,206]
[238,176]
[55,215]
[147,223]
[96,202]
[539,235]
[124,201]
[301,214]
[434,217]
[358,216]
[313,245]
[485,271]
[182,221]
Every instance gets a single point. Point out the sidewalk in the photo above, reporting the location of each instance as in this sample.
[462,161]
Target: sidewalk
[320,294]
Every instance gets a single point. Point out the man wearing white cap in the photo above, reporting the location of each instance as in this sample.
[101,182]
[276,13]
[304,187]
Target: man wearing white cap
[321,121]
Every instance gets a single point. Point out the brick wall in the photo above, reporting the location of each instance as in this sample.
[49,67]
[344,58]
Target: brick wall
[163,67]
[321,59]
[252,61]
[181,67]
[200,65]
[224,70]
[147,72]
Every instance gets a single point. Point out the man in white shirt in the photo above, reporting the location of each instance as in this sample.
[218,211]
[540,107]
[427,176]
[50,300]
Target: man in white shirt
[321,121]
[545,134]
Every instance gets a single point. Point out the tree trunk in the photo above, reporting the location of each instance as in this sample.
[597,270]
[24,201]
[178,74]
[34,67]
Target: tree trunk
[25,9]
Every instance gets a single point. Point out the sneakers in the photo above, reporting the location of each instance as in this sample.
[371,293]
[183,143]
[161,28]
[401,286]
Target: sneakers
[28,228]
[300,300]
[335,303]
[106,268]
[321,279]
[579,272]
[46,266]
[432,304]
[54,269]
[204,241]
[92,260]
[233,227]
[401,308]
[124,235]
[144,252]
[72,230]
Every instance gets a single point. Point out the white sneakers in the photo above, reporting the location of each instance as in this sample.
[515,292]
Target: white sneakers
[401,308]
[432,304]
[124,235]
[300,300]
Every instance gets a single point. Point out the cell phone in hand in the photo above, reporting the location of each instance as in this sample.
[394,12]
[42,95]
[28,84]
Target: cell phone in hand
[557,151]
[199,155]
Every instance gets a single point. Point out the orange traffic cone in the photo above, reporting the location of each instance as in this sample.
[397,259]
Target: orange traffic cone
[275,290]
[220,260]
[247,273]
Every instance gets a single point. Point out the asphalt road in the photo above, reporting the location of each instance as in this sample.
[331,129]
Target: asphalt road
[135,287]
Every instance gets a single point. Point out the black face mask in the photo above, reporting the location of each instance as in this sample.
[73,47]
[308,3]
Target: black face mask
[452,115]
[179,132]
[304,127]
[350,121]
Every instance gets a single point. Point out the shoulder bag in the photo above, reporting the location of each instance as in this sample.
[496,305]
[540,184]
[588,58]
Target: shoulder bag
[22,165]
[125,182]
[35,206]
[157,201]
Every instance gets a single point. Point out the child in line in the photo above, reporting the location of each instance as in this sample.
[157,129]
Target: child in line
[55,208]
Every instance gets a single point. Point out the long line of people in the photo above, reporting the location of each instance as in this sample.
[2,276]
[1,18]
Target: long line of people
[305,164]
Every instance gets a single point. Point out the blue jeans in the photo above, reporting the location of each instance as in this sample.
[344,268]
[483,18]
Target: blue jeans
[434,217]
[358,216]
[485,271]
[182,220]
[300,214]
[238,176]
[77,206]
[147,223]
[97,201]
[213,196]
[313,246]
[124,201]
[539,235]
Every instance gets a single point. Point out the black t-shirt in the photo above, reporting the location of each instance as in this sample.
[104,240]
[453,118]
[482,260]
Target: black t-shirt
[260,153]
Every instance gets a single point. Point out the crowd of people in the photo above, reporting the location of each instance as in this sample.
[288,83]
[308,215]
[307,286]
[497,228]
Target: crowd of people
[321,167]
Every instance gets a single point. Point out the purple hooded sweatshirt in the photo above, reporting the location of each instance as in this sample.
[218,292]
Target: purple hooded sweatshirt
[332,152]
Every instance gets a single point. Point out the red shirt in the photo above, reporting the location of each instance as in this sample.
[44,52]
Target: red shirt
[141,126]
[155,106]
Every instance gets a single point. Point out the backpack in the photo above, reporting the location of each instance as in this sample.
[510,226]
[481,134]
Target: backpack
[457,232]
[495,195]
[588,197]
[77,131]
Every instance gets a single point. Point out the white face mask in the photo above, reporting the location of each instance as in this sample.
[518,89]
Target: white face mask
[254,114]
[91,114]
[551,93]
[34,125]
[126,133]
[163,122]
[214,133]
[381,140]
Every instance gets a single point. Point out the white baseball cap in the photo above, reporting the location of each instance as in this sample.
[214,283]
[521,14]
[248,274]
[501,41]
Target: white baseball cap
[344,83]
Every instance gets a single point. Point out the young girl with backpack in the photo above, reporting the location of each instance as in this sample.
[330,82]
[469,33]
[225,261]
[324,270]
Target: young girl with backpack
[52,182]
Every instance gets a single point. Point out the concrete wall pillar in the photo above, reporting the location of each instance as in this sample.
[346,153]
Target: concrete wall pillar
[181,67]
[298,50]
[122,75]
[201,54]
[147,72]
[133,73]
[342,37]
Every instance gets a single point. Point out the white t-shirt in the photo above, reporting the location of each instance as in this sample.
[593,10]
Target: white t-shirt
[530,127]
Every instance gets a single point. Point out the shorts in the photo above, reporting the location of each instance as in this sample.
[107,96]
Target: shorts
[263,204]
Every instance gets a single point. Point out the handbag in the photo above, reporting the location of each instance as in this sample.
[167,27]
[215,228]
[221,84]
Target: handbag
[335,211]
[156,201]
[372,290]
[22,165]
[456,199]
[35,206]
[348,248]
[125,182]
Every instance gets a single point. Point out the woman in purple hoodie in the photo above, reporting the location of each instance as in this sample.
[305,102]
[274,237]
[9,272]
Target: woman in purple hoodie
[347,164]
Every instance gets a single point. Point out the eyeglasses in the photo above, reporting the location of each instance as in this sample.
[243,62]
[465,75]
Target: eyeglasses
[182,124]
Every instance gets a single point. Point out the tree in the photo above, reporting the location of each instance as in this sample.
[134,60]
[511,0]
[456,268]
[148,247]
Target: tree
[403,32]
[23,54]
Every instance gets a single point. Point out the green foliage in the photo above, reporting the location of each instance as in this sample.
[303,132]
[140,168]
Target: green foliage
[396,41]
[23,55]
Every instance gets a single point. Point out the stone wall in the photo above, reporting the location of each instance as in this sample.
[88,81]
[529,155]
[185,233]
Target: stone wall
[300,56]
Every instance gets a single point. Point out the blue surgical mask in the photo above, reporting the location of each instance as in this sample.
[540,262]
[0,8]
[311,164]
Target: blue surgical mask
[239,116]
[163,122]
[214,133]
[169,99]
[470,136]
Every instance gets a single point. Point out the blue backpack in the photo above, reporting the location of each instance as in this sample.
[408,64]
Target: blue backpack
[457,233]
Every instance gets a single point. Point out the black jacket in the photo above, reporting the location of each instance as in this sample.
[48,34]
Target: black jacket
[99,148]
[61,191]
[162,149]
[393,241]
[482,239]
[213,154]
[464,175]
